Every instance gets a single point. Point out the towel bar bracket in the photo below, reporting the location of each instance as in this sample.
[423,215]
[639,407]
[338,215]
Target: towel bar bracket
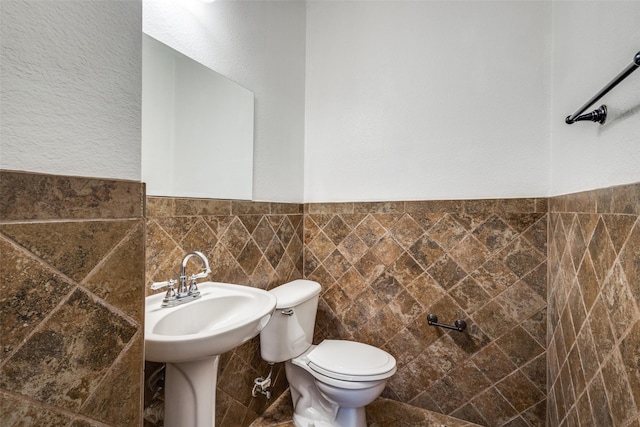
[460,325]
[600,114]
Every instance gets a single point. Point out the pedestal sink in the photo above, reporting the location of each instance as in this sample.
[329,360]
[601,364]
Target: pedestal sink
[189,338]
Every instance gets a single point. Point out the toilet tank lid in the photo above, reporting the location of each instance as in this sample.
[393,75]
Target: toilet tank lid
[296,292]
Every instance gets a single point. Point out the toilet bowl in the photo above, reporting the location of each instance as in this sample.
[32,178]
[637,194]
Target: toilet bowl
[331,382]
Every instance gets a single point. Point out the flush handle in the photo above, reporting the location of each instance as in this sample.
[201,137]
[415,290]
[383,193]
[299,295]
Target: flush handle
[287,312]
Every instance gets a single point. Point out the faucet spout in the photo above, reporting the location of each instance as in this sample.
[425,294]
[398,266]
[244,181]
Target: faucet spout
[183,272]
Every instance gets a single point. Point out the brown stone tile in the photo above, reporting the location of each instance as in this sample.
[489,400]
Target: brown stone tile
[447,232]
[381,328]
[601,410]
[630,354]
[199,238]
[601,330]
[536,326]
[519,346]
[583,410]
[469,413]
[370,267]
[521,257]
[536,372]
[74,248]
[619,393]
[470,295]
[470,253]
[434,206]
[370,231]
[494,233]
[234,377]
[446,395]
[330,208]
[387,250]
[626,199]
[274,252]
[629,256]
[405,307]
[469,380]
[588,354]
[537,234]
[617,298]
[352,248]
[493,407]
[262,235]
[425,290]
[27,196]
[24,412]
[30,291]
[249,257]
[446,272]
[404,347]
[619,227]
[493,363]
[493,319]
[520,222]
[119,279]
[336,230]
[379,207]
[519,391]
[63,363]
[406,231]
[117,399]
[601,251]
[588,283]
[286,208]
[175,227]
[159,206]
[520,301]
[235,238]
[494,277]
[516,205]
[336,298]
[192,206]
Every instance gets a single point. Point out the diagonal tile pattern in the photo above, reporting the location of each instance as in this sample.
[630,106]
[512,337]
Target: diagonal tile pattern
[71,304]
[250,243]
[384,267]
[594,308]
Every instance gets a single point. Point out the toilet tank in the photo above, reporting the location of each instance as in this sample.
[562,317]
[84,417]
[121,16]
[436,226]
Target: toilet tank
[289,333]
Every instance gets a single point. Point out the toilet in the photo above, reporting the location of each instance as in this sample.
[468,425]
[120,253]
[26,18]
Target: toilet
[331,382]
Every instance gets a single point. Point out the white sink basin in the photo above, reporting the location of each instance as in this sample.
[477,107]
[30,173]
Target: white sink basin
[224,317]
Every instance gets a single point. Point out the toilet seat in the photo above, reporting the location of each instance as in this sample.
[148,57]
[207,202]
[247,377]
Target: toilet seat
[350,361]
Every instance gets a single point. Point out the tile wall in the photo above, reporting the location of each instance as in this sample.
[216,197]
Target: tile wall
[72,264]
[385,266]
[250,243]
[71,301]
[594,308]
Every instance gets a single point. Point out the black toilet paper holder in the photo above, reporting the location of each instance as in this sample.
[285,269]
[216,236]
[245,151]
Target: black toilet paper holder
[459,325]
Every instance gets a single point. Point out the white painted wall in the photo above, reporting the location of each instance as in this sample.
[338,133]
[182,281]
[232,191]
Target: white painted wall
[427,100]
[70,89]
[593,42]
[260,45]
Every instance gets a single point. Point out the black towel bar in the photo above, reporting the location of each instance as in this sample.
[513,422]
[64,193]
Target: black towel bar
[460,325]
[600,114]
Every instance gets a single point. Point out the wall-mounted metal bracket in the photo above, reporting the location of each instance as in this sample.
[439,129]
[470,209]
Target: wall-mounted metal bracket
[460,325]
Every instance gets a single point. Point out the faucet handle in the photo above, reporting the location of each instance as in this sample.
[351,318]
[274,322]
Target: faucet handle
[158,285]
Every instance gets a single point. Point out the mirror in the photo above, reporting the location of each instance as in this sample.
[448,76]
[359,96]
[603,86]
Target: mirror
[197,128]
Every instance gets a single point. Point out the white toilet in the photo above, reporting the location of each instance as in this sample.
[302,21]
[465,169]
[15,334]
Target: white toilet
[330,382]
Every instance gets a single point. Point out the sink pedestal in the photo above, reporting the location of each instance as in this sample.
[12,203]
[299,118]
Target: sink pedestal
[190,393]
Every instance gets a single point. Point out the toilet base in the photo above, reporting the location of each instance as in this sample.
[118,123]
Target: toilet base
[347,417]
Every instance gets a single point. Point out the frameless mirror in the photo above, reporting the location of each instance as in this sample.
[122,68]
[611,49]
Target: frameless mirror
[197,128]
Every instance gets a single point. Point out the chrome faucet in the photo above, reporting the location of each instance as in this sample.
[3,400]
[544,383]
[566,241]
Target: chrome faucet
[182,290]
[184,294]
